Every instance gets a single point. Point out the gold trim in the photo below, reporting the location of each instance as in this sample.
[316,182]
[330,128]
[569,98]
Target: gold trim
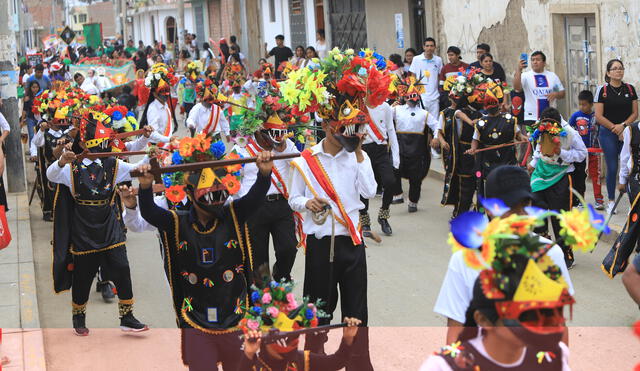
[307,360]
[126,302]
[183,312]
[92,202]
[78,306]
[409,132]
[236,227]
[213,228]
[96,251]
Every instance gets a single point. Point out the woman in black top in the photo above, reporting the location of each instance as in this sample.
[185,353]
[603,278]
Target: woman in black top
[486,61]
[616,107]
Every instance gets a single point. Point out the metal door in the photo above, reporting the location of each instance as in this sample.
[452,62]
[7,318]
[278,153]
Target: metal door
[348,24]
[581,57]
[297,23]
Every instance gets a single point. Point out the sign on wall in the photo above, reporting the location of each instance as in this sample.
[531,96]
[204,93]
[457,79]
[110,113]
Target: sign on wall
[399,31]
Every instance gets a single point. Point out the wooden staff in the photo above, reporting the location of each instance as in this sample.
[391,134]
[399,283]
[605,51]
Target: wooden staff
[93,156]
[221,103]
[156,170]
[501,146]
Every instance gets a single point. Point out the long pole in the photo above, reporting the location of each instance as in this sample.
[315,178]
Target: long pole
[179,30]
[8,91]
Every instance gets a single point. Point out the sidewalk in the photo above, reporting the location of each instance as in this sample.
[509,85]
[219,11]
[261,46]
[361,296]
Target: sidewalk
[19,319]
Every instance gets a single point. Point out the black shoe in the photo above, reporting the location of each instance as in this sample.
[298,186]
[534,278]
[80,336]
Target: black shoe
[385,226]
[129,323]
[397,201]
[366,231]
[79,327]
[412,208]
[47,216]
[107,292]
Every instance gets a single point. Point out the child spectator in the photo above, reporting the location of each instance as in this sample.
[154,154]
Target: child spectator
[584,122]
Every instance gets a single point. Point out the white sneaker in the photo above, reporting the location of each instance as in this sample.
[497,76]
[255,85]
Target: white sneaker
[434,153]
[610,208]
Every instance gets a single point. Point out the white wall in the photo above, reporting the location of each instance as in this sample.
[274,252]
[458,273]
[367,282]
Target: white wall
[142,24]
[281,24]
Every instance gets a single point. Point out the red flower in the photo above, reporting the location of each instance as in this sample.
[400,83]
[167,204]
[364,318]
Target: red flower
[175,193]
[304,119]
[377,87]
[351,84]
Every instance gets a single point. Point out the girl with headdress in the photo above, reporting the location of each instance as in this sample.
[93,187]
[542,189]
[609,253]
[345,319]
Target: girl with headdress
[159,110]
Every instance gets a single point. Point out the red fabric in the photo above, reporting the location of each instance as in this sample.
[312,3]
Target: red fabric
[5,233]
[449,69]
[258,73]
[141,92]
[319,174]
[594,174]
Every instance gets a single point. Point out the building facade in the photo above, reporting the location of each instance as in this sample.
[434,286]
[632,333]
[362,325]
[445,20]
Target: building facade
[157,21]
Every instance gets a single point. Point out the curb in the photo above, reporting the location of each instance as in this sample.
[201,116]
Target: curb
[436,171]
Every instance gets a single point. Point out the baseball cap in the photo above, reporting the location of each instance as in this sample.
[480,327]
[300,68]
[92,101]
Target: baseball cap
[510,184]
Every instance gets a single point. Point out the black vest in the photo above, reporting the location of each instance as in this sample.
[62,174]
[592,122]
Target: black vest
[493,131]
[470,359]
[96,223]
[206,271]
[459,142]
[50,142]
[635,150]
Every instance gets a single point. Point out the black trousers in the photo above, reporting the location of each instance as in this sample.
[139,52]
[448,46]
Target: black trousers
[383,171]
[415,169]
[202,352]
[85,268]
[275,219]
[321,281]
[557,197]
[579,177]
[466,186]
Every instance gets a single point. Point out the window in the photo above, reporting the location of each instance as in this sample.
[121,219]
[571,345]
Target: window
[171,30]
[75,18]
[272,11]
[82,18]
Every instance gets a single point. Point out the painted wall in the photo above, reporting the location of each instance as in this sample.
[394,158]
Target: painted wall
[281,24]
[142,25]
[512,27]
[381,27]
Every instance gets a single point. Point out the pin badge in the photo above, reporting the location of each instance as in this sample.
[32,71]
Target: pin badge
[481,123]
[227,276]
[212,314]
[193,279]
[494,135]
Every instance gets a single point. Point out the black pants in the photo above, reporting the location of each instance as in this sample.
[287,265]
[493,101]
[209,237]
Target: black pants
[274,218]
[557,197]
[415,169]
[579,177]
[321,281]
[466,186]
[202,352]
[383,171]
[86,266]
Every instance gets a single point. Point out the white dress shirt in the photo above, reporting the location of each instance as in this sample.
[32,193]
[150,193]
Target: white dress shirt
[382,118]
[159,118]
[572,150]
[406,123]
[62,175]
[134,221]
[626,162]
[89,87]
[199,118]
[350,180]
[250,170]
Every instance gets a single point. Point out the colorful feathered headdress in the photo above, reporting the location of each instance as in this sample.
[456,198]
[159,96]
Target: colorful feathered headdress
[160,78]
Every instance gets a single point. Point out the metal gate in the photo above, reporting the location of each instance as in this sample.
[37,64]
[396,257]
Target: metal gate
[348,24]
[581,57]
[297,23]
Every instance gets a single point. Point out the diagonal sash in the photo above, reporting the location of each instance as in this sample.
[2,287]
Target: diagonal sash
[212,120]
[322,178]
[373,126]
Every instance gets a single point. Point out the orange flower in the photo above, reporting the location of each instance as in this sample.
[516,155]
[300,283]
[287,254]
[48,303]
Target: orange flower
[202,143]
[187,146]
[231,183]
[233,168]
[175,193]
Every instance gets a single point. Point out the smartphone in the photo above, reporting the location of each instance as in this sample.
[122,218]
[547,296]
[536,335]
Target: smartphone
[524,57]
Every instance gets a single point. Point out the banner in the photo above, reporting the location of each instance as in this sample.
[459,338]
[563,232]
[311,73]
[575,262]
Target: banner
[93,34]
[50,41]
[117,75]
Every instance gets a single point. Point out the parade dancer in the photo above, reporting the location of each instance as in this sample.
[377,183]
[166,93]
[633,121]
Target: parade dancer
[187,88]
[493,129]
[85,201]
[158,113]
[457,126]
[207,117]
[266,131]
[273,325]
[559,148]
[381,137]
[206,257]
[415,156]
[515,318]
[329,179]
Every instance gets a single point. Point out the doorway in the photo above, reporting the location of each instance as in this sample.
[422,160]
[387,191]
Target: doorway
[582,69]
[348,24]
[171,30]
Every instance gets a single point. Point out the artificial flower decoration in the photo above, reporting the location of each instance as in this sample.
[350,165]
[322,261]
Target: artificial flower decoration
[577,229]
[231,183]
[175,193]
[467,229]
[495,206]
[160,77]
[550,127]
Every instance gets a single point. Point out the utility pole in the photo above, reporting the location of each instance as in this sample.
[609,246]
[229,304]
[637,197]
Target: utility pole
[179,30]
[52,28]
[119,20]
[14,155]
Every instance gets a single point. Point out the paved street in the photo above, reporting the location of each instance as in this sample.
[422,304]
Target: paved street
[405,273]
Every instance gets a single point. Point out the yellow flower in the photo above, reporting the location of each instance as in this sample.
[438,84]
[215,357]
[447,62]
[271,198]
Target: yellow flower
[577,230]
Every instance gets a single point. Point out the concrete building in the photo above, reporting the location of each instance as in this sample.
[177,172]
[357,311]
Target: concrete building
[78,16]
[157,21]
[103,12]
[578,37]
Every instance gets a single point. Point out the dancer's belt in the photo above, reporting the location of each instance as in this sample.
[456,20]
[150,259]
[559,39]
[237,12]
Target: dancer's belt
[93,202]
